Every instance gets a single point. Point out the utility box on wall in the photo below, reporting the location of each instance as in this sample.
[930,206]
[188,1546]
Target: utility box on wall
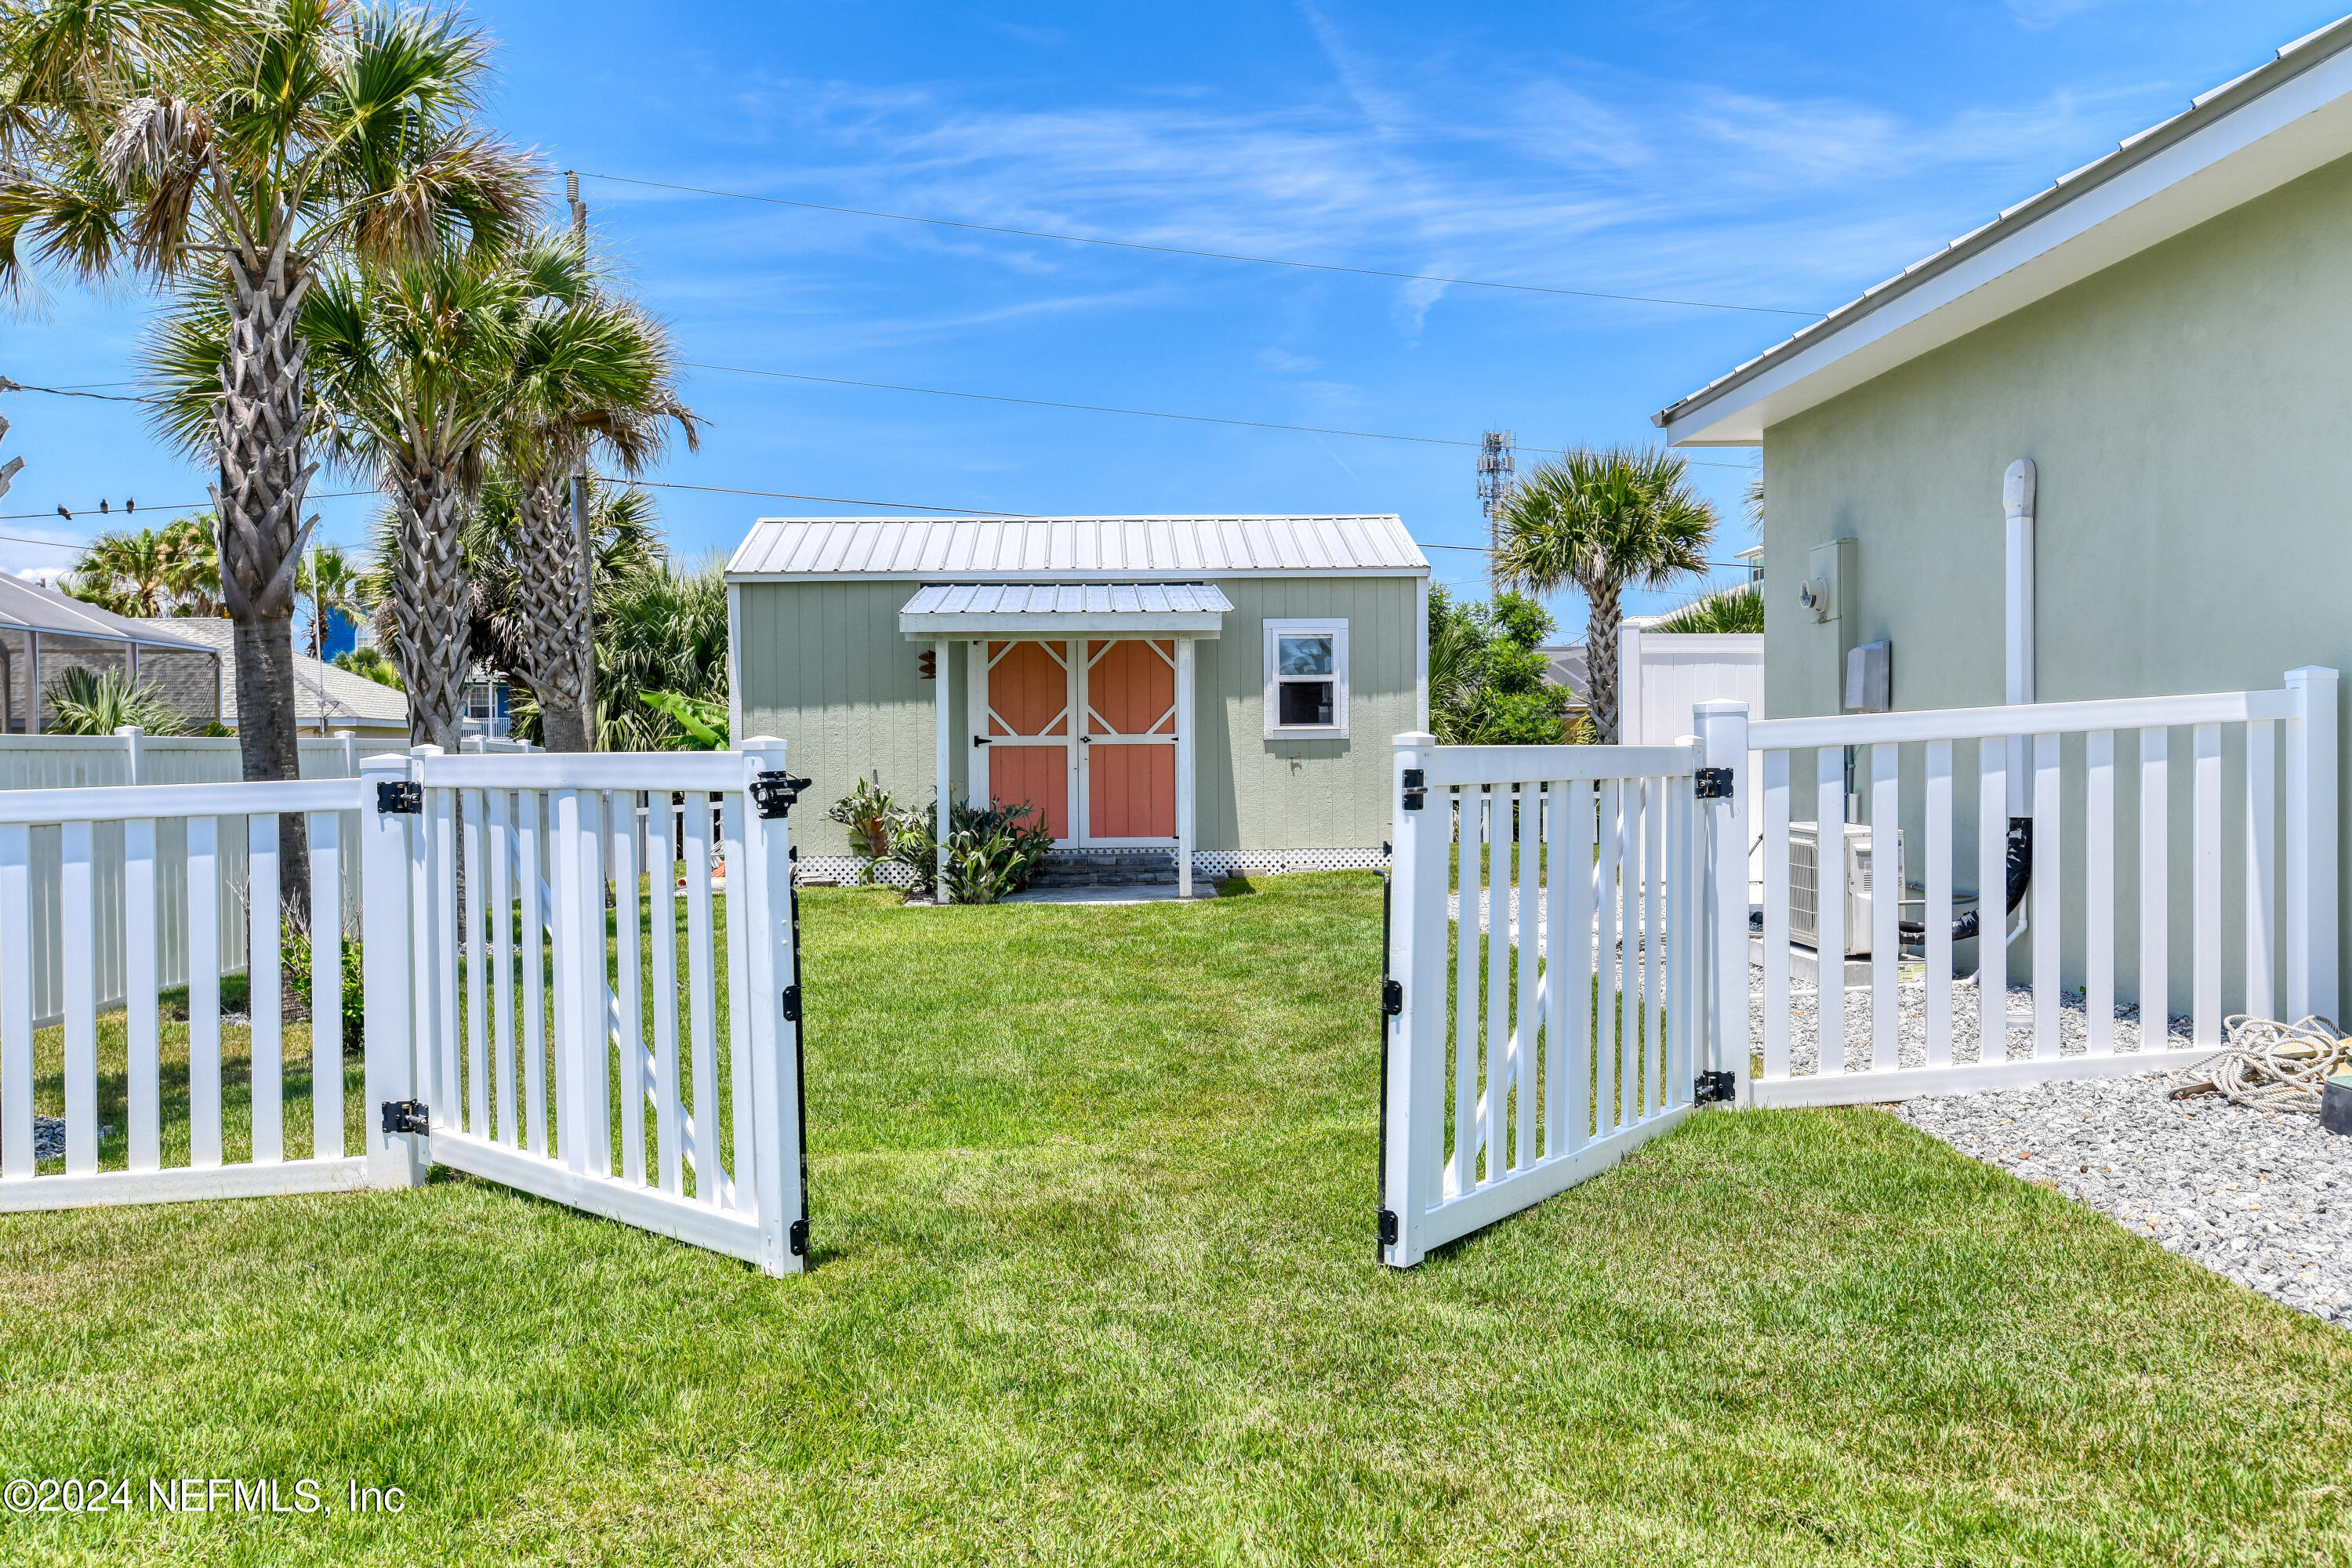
[1831,594]
[1870,677]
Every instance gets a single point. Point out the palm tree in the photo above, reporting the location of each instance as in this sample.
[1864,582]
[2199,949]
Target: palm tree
[128,571]
[336,585]
[598,377]
[662,630]
[1600,521]
[232,148]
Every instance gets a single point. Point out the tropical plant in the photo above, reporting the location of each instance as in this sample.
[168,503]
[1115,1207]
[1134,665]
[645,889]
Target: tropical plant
[100,702]
[871,815]
[704,726]
[992,851]
[1601,520]
[232,149]
[1488,673]
[659,627]
[599,379]
[370,663]
[336,585]
[148,572]
[1740,608]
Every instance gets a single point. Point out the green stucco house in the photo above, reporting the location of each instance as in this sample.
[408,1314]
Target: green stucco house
[2096,447]
[1221,689]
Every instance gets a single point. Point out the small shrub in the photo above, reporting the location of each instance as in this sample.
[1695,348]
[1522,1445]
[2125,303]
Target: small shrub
[297,960]
[992,851]
[871,815]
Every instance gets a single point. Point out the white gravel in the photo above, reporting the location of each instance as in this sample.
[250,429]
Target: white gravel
[2260,1197]
[1911,1026]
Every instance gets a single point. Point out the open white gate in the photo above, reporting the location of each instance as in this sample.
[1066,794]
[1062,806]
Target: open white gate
[1620,981]
[559,1048]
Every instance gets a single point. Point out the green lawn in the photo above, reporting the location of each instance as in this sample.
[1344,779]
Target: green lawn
[1093,1197]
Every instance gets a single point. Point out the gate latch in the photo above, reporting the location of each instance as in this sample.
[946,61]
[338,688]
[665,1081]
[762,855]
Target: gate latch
[797,1238]
[1392,997]
[1711,783]
[1416,788]
[400,797]
[792,1003]
[1714,1089]
[406,1116]
[773,794]
[1388,1227]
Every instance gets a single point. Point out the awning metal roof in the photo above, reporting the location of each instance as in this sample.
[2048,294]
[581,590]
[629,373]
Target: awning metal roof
[1030,609]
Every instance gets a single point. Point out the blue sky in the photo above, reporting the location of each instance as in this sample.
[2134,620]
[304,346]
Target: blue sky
[1770,154]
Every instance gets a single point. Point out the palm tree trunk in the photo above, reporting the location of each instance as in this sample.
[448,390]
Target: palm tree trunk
[557,631]
[429,603]
[259,503]
[1604,615]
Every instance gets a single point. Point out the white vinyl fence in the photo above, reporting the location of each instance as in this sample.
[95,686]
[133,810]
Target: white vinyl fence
[1591,981]
[1556,1029]
[643,1064]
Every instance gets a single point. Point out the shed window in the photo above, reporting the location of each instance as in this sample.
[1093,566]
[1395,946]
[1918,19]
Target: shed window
[1306,678]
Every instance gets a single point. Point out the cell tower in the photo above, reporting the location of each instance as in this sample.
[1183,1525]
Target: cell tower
[1497,468]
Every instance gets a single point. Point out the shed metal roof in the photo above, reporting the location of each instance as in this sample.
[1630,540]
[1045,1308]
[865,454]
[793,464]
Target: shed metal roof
[964,609]
[1076,549]
[2284,118]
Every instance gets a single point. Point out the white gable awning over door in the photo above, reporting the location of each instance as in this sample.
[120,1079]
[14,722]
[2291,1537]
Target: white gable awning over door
[1063,609]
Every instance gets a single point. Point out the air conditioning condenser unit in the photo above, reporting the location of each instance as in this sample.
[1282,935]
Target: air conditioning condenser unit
[1804,885]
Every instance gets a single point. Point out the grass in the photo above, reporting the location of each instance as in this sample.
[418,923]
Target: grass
[1093,1203]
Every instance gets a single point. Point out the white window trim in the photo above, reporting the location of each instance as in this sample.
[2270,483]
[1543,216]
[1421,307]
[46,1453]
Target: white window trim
[1336,629]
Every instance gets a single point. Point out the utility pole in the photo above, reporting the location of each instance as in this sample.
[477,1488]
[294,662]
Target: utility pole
[583,585]
[1497,466]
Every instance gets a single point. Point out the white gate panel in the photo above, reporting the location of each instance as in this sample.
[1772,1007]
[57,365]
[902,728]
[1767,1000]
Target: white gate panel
[1574,950]
[532,962]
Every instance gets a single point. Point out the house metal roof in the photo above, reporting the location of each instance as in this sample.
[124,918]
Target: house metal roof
[2284,118]
[1076,549]
[1009,608]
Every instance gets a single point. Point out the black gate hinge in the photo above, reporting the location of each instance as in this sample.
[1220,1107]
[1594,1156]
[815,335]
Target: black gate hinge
[772,794]
[1714,1089]
[406,1116]
[797,1238]
[1712,784]
[1392,997]
[1416,788]
[400,797]
[792,1003]
[1389,1230]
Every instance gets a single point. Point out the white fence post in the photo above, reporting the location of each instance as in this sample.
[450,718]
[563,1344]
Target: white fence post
[1723,744]
[2312,921]
[393,1159]
[1413,1059]
[777,1145]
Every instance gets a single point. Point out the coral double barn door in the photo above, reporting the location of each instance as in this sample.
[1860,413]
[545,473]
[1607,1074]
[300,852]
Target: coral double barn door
[1084,731]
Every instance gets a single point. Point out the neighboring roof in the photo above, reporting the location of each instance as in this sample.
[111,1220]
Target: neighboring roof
[1566,667]
[352,702]
[1195,609]
[29,607]
[2281,120]
[1074,549]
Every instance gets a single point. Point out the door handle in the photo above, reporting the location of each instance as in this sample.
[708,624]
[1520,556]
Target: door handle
[1085,740]
[979,740]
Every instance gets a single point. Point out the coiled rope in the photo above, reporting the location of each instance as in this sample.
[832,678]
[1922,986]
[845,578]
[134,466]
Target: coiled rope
[2272,1066]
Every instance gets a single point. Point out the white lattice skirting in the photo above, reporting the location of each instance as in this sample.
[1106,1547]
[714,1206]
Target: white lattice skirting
[1208,865]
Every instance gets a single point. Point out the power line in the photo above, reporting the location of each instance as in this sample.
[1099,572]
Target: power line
[1131,412]
[1206,255]
[831,500]
[7,386]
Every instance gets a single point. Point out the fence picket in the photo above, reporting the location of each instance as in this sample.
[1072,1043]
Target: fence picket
[1654,819]
[449,1086]
[1776,894]
[1992,900]
[2048,888]
[1937,916]
[473,812]
[497,811]
[663,885]
[1828,903]
[1527,812]
[265,977]
[16,1001]
[2155,890]
[631,1035]
[701,993]
[77,920]
[2262,868]
[1887,888]
[141,1026]
[2099,892]
[1574,942]
[1499,854]
[326,986]
[2205,895]
[740,917]
[1611,1000]
[529,876]
[203,994]
[1630,828]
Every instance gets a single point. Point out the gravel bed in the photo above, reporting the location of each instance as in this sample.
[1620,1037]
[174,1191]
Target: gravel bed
[48,1137]
[2260,1197]
[1911,1026]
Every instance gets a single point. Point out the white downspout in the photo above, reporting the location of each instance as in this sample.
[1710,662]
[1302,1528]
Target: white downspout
[2017,507]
